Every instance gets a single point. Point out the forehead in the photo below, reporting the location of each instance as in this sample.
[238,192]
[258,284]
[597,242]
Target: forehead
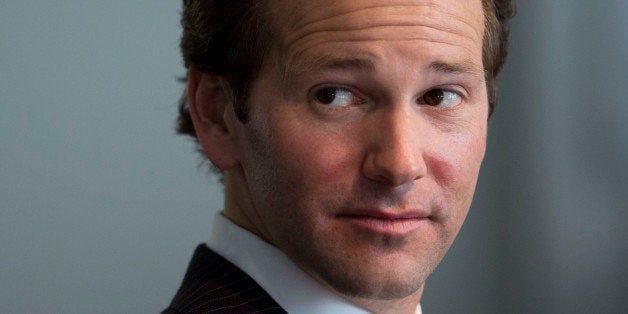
[306,27]
[295,14]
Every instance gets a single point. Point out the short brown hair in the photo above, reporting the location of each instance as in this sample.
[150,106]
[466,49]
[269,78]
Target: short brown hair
[231,38]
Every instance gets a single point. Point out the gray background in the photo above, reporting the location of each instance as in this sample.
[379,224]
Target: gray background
[101,204]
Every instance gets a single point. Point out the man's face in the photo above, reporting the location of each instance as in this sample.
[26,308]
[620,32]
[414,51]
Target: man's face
[366,134]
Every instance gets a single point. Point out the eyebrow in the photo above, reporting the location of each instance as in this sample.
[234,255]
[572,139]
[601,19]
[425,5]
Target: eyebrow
[334,63]
[366,64]
[328,62]
[456,68]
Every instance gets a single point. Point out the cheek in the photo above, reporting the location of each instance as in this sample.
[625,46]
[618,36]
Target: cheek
[315,156]
[456,164]
[320,166]
[332,162]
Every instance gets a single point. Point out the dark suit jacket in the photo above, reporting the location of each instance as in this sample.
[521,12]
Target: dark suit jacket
[214,285]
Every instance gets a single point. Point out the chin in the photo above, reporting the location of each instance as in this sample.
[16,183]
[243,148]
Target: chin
[382,280]
[373,289]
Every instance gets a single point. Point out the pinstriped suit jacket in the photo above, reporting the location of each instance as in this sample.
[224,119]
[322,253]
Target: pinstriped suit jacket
[214,285]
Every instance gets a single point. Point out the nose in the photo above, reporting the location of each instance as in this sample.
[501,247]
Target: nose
[395,154]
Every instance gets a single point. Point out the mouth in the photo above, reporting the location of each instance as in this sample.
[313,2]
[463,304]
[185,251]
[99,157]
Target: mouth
[382,222]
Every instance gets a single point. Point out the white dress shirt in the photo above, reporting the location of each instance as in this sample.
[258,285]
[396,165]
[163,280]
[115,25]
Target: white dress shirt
[287,284]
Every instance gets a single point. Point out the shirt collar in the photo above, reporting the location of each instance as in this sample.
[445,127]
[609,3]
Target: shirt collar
[287,284]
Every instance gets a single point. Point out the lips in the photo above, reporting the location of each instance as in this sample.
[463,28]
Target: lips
[385,222]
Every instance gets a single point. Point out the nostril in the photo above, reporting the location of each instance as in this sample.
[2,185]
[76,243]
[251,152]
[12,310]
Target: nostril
[392,168]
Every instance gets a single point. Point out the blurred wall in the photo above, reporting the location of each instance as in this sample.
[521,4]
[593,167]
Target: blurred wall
[101,204]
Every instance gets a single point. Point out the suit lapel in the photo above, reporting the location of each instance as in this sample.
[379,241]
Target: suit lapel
[213,284]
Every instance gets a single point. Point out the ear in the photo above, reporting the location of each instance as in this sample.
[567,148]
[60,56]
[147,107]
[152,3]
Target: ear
[208,101]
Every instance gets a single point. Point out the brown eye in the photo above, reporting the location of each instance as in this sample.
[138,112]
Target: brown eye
[434,97]
[440,98]
[335,97]
[326,95]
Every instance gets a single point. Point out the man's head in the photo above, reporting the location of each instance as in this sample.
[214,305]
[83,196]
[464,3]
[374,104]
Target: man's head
[232,38]
[350,133]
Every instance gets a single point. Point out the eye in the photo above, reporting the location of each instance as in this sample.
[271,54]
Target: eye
[440,98]
[335,97]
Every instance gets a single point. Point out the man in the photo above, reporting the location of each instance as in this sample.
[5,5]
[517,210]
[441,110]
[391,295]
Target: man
[349,135]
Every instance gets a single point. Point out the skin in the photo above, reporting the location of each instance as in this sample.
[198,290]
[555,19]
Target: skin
[349,164]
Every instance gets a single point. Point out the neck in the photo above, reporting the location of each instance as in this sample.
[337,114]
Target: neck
[407,305]
[238,206]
